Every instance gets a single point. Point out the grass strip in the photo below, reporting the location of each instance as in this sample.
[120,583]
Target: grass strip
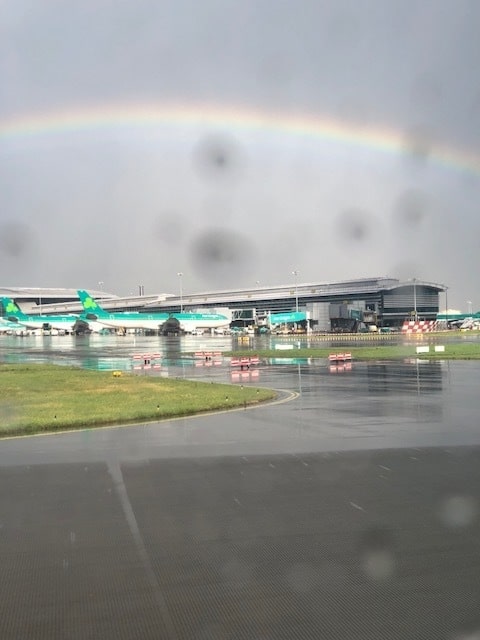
[454,351]
[41,398]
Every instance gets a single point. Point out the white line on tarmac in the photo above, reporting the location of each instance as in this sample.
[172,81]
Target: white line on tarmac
[121,490]
[357,506]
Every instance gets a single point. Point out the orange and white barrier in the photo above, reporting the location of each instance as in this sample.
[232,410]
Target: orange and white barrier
[146,361]
[340,368]
[239,375]
[340,357]
[244,363]
[208,355]
[208,358]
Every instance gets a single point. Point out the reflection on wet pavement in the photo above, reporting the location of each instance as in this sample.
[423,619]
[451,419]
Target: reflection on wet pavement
[353,406]
[346,511]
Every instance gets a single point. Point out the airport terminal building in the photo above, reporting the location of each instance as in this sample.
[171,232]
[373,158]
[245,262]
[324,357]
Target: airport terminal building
[349,305]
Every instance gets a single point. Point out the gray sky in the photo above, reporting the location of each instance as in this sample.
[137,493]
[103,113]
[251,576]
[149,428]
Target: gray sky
[223,202]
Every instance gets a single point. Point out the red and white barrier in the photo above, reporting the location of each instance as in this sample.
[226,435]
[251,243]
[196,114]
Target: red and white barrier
[340,368]
[340,357]
[419,326]
[146,361]
[241,374]
[244,363]
[208,355]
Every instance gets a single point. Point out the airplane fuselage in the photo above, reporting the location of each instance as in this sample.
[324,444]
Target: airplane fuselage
[188,321]
[148,321]
[60,323]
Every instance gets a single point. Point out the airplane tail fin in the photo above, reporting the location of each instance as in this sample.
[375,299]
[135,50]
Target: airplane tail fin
[89,305]
[10,309]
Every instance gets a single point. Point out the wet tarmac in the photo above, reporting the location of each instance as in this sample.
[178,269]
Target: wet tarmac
[348,509]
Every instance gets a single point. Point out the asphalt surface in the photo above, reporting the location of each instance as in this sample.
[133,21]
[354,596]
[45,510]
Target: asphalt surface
[348,512]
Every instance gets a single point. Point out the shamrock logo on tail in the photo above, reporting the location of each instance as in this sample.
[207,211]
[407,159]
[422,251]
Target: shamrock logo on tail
[89,303]
[11,307]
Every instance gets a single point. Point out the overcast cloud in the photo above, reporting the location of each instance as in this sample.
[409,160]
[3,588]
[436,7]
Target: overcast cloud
[229,205]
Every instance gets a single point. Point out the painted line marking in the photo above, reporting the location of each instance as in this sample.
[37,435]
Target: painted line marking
[357,506]
[383,467]
[115,471]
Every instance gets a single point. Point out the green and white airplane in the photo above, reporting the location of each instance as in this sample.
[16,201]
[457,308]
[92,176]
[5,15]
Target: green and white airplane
[12,327]
[137,320]
[68,323]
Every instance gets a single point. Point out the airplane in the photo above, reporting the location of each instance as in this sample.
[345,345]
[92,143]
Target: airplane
[460,320]
[13,327]
[470,323]
[137,320]
[67,323]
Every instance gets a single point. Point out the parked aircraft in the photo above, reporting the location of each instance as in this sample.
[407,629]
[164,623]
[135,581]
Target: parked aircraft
[12,327]
[460,320]
[470,323]
[67,323]
[187,322]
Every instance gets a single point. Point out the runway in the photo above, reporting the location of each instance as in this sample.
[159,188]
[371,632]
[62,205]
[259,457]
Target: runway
[351,511]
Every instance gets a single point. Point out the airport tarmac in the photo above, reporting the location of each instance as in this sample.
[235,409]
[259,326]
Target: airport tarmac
[349,509]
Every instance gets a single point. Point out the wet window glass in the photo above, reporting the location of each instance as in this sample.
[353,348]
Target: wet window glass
[276,197]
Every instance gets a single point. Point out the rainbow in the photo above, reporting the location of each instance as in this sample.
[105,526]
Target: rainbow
[89,118]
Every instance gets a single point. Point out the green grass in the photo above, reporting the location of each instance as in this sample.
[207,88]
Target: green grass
[40,398]
[454,351]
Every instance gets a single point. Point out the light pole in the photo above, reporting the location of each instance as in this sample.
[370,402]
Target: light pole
[469,307]
[446,305]
[180,275]
[415,298]
[295,273]
[100,284]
